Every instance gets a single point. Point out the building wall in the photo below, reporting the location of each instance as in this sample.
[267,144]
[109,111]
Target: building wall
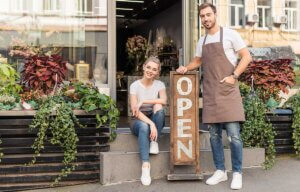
[256,37]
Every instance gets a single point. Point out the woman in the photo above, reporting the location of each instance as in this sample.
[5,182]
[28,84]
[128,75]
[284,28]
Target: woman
[147,97]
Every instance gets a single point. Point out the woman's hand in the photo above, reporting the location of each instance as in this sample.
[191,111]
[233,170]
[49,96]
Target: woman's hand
[136,109]
[153,132]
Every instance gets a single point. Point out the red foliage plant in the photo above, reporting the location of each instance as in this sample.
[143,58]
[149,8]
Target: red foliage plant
[43,72]
[270,76]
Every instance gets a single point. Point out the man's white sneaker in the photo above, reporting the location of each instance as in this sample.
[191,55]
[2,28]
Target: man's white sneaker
[145,178]
[154,148]
[217,177]
[237,182]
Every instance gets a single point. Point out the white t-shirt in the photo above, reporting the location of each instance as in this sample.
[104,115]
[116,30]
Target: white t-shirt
[232,42]
[142,93]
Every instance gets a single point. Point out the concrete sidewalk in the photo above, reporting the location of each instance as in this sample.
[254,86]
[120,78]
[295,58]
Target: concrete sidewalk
[283,177]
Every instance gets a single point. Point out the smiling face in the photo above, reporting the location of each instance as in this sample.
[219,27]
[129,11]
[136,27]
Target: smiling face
[151,70]
[208,17]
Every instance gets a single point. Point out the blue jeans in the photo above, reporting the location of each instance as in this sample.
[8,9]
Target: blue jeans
[142,131]
[236,145]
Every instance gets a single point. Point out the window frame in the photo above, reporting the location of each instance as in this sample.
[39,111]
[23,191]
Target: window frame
[53,6]
[264,20]
[237,15]
[291,10]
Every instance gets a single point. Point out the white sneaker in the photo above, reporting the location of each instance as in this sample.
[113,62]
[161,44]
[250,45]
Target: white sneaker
[145,178]
[236,181]
[154,148]
[217,177]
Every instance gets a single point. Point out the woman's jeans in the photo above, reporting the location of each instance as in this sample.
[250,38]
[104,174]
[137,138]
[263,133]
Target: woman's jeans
[142,131]
[236,145]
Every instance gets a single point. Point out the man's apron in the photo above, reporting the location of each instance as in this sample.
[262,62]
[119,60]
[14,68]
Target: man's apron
[222,102]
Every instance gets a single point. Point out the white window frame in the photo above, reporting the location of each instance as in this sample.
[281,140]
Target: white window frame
[53,6]
[290,20]
[236,10]
[16,6]
[264,21]
[83,10]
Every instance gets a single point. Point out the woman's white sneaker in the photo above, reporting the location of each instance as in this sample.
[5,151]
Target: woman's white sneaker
[145,178]
[154,148]
[237,182]
[217,177]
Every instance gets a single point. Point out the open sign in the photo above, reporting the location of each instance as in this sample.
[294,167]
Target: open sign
[184,118]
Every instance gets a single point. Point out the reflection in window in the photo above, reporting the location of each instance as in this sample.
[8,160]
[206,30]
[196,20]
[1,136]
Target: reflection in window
[51,5]
[237,13]
[77,38]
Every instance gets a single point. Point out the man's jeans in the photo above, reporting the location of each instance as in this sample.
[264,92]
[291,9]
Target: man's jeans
[142,131]
[236,145]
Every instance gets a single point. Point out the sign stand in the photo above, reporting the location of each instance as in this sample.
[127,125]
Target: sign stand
[184,125]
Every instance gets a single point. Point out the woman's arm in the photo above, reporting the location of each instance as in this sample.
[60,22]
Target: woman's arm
[136,112]
[162,99]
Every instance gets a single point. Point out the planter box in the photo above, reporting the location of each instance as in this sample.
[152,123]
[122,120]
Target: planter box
[16,146]
[282,124]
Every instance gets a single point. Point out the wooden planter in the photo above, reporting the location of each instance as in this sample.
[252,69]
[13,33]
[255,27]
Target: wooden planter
[282,124]
[16,146]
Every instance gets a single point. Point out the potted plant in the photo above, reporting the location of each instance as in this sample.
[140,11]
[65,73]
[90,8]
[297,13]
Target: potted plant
[136,47]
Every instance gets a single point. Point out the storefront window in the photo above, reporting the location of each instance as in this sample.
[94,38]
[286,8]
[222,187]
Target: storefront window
[75,31]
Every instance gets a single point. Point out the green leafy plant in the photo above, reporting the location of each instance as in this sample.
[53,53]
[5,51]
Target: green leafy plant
[8,78]
[270,76]
[91,100]
[7,102]
[257,131]
[62,128]
[294,103]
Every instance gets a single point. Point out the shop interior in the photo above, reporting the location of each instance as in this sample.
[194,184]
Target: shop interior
[146,28]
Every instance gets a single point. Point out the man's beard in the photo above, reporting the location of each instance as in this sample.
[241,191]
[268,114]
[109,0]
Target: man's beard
[212,25]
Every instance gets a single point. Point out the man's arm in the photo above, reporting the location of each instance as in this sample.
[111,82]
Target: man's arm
[241,67]
[194,64]
[244,62]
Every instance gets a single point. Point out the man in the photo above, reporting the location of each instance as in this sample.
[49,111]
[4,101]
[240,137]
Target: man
[222,102]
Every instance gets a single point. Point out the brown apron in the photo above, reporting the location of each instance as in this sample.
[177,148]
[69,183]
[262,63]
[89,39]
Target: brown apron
[222,102]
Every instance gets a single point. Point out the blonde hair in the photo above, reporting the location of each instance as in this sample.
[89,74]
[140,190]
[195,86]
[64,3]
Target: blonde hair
[154,60]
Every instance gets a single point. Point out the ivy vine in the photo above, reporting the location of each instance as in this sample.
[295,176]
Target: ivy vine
[257,131]
[294,103]
[62,128]
[91,100]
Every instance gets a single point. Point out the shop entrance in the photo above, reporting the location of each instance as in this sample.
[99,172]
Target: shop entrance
[146,28]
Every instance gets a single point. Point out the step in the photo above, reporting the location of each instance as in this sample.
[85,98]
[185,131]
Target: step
[118,167]
[281,149]
[127,142]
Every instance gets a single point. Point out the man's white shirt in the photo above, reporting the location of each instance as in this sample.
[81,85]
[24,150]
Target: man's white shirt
[232,43]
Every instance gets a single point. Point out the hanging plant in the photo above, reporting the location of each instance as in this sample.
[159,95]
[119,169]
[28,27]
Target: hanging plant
[44,72]
[257,131]
[89,99]
[62,128]
[294,103]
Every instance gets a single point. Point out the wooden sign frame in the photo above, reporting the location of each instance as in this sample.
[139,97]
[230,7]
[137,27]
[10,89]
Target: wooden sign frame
[184,124]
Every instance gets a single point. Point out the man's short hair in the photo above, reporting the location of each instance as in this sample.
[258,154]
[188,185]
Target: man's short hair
[205,5]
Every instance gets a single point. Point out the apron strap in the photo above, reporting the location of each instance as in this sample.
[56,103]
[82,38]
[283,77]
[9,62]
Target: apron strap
[204,40]
[221,35]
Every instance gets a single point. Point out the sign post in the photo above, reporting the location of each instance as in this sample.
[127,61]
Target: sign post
[184,125]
